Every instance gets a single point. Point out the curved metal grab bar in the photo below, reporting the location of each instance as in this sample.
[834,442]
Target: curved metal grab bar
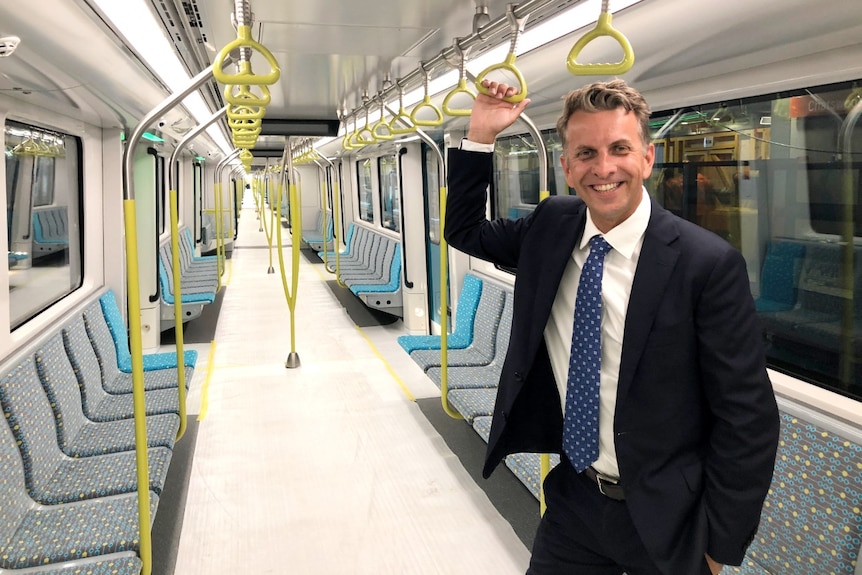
[603,28]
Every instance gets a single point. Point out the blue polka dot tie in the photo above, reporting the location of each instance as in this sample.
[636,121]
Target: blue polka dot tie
[581,424]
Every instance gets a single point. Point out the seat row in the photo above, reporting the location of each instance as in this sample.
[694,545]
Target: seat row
[199,278]
[812,517]
[68,480]
[316,238]
[371,267]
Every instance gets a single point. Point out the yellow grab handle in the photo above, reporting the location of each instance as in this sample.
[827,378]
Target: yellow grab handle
[345,143]
[603,28]
[394,124]
[244,97]
[382,136]
[460,89]
[244,123]
[243,112]
[426,103]
[508,65]
[364,137]
[245,77]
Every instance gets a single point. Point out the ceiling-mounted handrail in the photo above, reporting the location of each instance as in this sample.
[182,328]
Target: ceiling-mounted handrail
[426,103]
[603,28]
[517,26]
[461,88]
[482,36]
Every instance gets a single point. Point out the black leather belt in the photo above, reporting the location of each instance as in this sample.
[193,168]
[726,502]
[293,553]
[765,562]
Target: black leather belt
[608,486]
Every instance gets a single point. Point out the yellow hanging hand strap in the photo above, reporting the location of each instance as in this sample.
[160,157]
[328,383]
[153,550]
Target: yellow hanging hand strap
[603,28]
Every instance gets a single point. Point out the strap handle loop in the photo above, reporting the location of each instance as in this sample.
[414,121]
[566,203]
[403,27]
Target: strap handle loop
[603,28]
[245,76]
[517,25]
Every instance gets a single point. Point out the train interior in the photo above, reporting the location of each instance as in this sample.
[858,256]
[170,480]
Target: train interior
[234,340]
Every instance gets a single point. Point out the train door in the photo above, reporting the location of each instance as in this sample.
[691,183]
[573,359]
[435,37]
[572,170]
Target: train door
[431,191]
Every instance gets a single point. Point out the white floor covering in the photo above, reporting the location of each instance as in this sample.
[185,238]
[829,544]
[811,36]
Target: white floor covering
[329,468]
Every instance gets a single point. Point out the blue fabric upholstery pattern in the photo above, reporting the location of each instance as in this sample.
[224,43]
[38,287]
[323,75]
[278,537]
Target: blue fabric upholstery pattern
[779,277]
[51,476]
[94,536]
[489,318]
[153,361]
[812,517]
[92,369]
[465,315]
[77,435]
[472,403]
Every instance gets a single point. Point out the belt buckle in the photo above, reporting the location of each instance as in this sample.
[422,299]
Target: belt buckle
[601,479]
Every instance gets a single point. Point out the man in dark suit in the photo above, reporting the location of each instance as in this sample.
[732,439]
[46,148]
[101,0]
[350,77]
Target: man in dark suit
[687,425]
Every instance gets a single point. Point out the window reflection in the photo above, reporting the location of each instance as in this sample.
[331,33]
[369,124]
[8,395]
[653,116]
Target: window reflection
[43,197]
[366,191]
[390,193]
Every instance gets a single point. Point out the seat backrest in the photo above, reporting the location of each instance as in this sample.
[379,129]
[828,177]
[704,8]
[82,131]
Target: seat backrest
[779,278]
[14,501]
[58,379]
[821,279]
[97,334]
[29,415]
[811,520]
[119,333]
[488,316]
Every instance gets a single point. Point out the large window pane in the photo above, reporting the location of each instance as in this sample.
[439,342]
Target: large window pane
[779,178]
[390,192]
[366,191]
[43,199]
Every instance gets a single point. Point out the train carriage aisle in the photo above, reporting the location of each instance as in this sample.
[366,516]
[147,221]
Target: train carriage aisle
[328,468]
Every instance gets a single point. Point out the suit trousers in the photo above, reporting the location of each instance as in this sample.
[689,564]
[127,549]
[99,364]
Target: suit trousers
[584,532]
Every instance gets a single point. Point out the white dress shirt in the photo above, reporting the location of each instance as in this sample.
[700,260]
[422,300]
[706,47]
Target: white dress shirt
[620,264]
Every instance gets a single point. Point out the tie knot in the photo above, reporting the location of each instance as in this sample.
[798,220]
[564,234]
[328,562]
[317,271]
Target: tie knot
[599,246]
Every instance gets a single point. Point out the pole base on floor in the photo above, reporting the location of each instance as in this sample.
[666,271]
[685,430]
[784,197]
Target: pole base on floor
[292,360]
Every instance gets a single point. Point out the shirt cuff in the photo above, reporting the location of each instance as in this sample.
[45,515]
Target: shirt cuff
[470,146]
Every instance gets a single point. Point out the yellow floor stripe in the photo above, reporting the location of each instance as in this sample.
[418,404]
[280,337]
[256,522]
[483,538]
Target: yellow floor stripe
[205,390]
[386,363]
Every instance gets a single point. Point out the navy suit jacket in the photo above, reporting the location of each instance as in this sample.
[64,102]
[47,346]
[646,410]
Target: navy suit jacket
[696,423]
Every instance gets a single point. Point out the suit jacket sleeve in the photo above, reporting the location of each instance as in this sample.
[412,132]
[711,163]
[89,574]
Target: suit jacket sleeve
[466,227]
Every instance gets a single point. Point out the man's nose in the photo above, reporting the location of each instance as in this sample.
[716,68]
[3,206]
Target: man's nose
[604,165]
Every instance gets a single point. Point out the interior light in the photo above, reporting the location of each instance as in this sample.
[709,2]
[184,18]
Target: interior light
[134,20]
[200,159]
[150,137]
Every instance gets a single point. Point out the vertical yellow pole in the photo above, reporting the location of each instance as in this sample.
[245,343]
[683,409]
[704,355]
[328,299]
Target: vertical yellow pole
[140,409]
[444,316]
[544,469]
[178,312]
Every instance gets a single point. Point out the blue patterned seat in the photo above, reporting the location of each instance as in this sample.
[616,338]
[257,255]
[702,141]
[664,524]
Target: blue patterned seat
[114,380]
[51,476]
[98,536]
[483,347]
[812,517]
[152,361]
[391,268]
[99,405]
[347,242]
[77,435]
[465,315]
[473,403]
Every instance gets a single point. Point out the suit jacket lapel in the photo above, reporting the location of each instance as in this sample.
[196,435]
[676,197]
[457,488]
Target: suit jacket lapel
[571,228]
[657,260]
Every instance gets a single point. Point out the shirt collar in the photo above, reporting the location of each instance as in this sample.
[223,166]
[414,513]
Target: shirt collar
[624,237]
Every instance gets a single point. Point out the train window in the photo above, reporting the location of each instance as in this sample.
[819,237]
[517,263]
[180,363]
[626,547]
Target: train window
[43,218]
[516,176]
[363,176]
[197,190]
[390,195]
[780,178]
